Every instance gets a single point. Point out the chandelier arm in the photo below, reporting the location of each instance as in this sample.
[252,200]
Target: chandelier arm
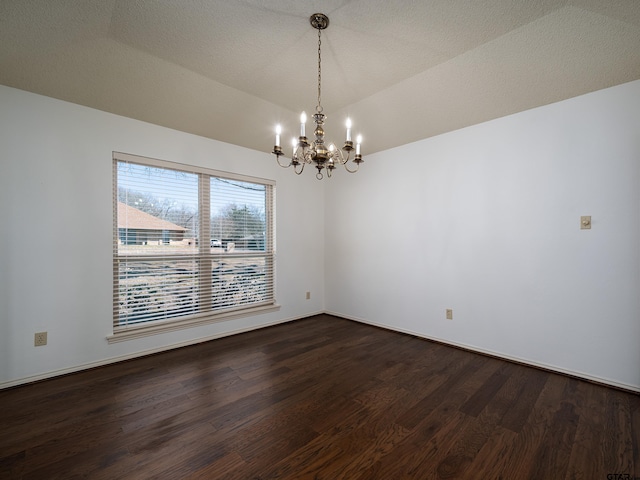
[339,156]
[308,156]
[283,166]
[351,171]
[295,168]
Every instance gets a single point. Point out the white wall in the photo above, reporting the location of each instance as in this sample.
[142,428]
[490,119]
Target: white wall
[56,230]
[485,221]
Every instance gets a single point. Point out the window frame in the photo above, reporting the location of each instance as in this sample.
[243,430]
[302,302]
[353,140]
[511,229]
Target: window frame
[203,256]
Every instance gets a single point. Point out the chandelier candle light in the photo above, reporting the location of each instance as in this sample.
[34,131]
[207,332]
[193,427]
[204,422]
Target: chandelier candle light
[316,153]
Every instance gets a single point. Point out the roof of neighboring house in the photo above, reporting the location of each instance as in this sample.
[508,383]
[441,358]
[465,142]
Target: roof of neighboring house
[130,217]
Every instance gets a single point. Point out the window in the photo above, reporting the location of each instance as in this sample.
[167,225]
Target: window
[191,245]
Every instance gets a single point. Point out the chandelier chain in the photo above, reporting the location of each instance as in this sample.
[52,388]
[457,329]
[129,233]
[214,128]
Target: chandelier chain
[319,106]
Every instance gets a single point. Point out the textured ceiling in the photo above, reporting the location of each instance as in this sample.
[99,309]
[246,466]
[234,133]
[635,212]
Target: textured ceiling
[403,70]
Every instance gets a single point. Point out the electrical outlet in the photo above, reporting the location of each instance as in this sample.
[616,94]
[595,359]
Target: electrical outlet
[308,295]
[40,339]
[449,314]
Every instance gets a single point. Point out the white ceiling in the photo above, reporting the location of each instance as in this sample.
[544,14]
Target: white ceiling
[403,70]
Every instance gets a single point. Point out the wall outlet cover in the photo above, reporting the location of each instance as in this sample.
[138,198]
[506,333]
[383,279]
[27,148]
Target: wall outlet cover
[40,339]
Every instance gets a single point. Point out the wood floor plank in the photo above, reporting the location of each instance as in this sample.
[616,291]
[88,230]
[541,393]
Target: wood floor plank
[635,433]
[521,460]
[459,373]
[516,417]
[552,457]
[414,456]
[497,450]
[456,462]
[437,416]
[497,446]
[223,467]
[321,398]
[586,454]
[479,400]
[618,438]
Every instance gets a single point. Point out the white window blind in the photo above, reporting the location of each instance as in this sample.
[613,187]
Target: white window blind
[188,242]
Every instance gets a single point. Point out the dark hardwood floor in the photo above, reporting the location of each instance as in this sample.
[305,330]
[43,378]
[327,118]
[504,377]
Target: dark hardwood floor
[320,398]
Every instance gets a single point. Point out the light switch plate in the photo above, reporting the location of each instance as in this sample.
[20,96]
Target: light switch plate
[585,222]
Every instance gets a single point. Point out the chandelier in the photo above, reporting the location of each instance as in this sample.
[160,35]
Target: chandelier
[322,157]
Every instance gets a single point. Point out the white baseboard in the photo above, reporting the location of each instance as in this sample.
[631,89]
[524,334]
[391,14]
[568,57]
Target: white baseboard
[525,361]
[144,353]
[121,358]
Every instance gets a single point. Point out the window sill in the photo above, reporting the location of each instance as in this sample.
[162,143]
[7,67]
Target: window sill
[130,333]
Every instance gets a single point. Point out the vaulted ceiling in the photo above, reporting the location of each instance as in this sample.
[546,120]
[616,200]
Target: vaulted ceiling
[403,70]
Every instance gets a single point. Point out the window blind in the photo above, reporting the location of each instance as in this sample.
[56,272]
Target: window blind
[188,242]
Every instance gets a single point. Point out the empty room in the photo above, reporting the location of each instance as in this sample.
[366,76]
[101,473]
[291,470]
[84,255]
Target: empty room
[267,239]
